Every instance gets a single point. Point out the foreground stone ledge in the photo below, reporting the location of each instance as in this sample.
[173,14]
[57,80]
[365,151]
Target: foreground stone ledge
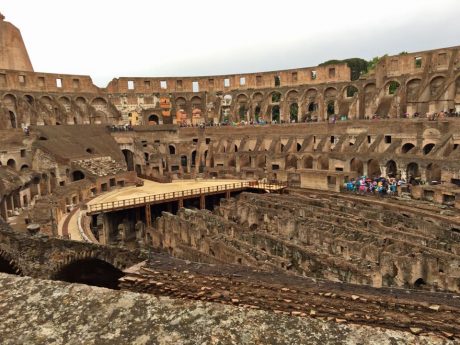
[49,312]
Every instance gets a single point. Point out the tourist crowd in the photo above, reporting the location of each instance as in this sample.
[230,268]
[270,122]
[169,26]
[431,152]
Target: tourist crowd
[378,186]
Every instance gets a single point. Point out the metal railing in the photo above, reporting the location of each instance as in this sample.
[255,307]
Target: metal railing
[187,194]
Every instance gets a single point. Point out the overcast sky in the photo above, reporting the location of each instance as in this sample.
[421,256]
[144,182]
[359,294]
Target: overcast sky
[107,39]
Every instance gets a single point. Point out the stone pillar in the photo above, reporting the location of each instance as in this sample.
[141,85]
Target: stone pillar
[16,199]
[3,209]
[104,236]
[148,216]
[202,201]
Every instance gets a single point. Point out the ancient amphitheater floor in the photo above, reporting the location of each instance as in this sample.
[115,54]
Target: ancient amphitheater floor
[156,188]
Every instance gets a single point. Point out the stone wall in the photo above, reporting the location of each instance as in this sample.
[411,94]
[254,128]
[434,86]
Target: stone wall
[131,318]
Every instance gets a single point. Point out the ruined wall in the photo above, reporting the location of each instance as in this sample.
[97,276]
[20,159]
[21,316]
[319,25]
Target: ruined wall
[424,82]
[324,237]
[42,257]
[13,52]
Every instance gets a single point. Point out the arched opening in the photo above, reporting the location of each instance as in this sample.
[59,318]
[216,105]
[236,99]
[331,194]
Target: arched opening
[153,120]
[323,163]
[257,113]
[436,85]
[427,148]
[235,147]
[433,173]
[419,283]
[90,272]
[291,162]
[90,150]
[183,161]
[129,158]
[373,168]
[11,163]
[276,113]
[313,107]
[276,97]
[172,150]
[13,120]
[7,266]
[242,113]
[24,167]
[391,168]
[350,91]
[298,147]
[77,175]
[412,171]
[357,166]
[293,112]
[308,162]
[407,147]
[193,162]
[29,99]
[393,86]
[330,108]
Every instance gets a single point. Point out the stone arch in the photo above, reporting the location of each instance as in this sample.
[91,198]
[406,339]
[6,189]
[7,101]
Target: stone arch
[8,264]
[413,88]
[391,168]
[11,163]
[323,163]
[99,101]
[307,162]
[153,119]
[291,162]
[330,92]
[427,148]
[9,101]
[373,168]
[90,271]
[77,175]
[293,112]
[242,98]
[292,95]
[412,170]
[257,97]
[311,93]
[433,173]
[407,147]
[436,84]
[357,166]
[171,149]
[391,87]
[129,158]
[29,99]
[196,102]
[350,91]
[275,97]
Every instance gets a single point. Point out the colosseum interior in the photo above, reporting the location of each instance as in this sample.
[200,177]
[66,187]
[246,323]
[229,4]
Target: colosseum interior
[230,189]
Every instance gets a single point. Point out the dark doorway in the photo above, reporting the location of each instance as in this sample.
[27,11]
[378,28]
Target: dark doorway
[129,158]
[13,120]
[77,175]
[276,113]
[6,266]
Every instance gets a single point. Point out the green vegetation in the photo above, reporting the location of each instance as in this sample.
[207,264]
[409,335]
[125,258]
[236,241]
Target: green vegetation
[357,66]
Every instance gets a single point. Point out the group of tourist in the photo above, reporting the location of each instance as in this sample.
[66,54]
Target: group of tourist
[120,128]
[378,186]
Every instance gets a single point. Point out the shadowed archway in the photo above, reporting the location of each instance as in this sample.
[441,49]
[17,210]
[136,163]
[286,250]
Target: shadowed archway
[93,271]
